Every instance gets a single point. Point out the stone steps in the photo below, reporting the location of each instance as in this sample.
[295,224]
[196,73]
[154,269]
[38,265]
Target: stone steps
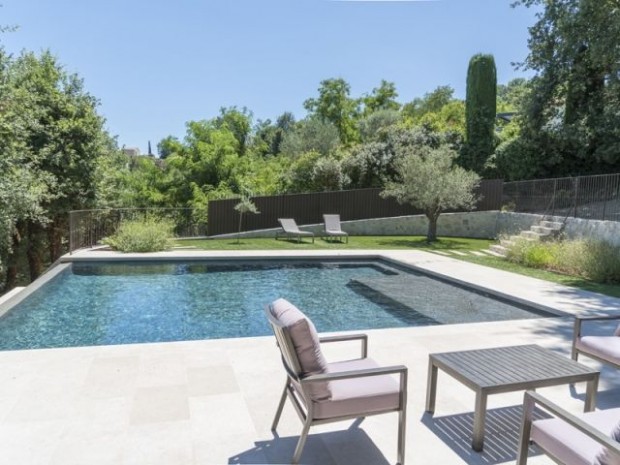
[545,230]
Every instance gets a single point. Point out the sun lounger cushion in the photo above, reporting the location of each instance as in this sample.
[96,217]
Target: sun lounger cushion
[605,457]
[568,444]
[350,396]
[607,348]
[306,344]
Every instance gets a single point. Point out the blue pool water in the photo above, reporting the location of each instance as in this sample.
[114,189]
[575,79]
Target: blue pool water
[119,303]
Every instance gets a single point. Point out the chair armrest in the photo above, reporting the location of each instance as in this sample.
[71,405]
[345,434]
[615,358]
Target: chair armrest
[532,398]
[391,370]
[598,317]
[580,319]
[349,337]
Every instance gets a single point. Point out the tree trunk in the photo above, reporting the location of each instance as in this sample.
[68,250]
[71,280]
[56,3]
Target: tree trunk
[54,239]
[10,280]
[34,251]
[240,222]
[431,235]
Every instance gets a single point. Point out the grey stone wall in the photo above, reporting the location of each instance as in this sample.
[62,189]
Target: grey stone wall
[608,231]
[575,228]
[482,225]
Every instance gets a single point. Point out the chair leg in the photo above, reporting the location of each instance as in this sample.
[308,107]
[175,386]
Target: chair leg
[526,428]
[302,442]
[276,420]
[402,425]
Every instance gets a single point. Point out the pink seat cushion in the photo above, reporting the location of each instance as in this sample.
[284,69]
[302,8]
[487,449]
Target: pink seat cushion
[569,445]
[306,344]
[358,396]
[605,347]
[605,456]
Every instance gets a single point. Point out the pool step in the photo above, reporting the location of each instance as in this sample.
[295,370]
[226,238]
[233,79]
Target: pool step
[418,299]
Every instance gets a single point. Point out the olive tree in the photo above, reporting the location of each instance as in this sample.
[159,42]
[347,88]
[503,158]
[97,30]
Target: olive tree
[428,179]
[245,205]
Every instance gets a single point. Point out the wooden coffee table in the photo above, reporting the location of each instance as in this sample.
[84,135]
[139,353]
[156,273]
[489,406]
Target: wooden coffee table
[507,369]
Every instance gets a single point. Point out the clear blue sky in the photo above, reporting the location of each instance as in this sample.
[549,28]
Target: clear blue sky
[155,65]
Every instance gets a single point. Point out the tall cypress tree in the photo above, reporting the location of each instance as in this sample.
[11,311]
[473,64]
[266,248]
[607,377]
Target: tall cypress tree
[480,112]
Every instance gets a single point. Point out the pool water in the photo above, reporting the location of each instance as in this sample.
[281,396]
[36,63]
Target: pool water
[120,303]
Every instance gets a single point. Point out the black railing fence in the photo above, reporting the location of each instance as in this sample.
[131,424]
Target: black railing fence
[309,208]
[588,197]
[88,227]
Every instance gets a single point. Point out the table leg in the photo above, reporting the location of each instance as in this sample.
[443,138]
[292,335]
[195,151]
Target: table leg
[479,420]
[431,387]
[591,389]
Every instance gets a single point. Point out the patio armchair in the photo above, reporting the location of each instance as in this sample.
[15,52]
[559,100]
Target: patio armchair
[605,349]
[290,229]
[322,392]
[587,439]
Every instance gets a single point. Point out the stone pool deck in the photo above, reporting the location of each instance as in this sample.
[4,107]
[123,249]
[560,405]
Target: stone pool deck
[212,402]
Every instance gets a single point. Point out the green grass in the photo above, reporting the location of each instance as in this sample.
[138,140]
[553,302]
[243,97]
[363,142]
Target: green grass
[355,243]
[612,290]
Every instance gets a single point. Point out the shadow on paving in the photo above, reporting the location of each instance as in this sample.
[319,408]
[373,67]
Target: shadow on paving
[501,437]
[352,446]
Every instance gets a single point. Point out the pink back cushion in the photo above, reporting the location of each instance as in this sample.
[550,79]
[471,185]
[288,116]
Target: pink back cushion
[305,341]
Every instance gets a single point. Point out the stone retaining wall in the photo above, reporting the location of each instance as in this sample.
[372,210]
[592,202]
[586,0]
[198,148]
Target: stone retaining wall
[482,225]
[575,228]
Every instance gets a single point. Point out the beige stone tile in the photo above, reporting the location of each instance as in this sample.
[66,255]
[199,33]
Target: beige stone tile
[111,376]
[160,369]
[207,381]
[220,415]
[30,443]
[159,404]
[43,406]
[158,444]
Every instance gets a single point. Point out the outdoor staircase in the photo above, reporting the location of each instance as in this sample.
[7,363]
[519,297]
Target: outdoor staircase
[545,230]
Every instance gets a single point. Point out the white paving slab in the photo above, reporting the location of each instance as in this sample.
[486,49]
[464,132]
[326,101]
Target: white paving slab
[212,401]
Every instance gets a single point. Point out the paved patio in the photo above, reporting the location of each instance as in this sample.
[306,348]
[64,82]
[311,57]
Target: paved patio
[212,402]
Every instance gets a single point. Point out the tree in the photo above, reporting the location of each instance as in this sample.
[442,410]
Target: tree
[571,117]
[480,112]
[334,105]
[244,206]
[428,179]
[371,126]
[381,98]
[311,134]
[432,102]
[238,122]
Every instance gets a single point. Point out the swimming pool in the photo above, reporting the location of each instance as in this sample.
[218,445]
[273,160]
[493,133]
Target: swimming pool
[99,303]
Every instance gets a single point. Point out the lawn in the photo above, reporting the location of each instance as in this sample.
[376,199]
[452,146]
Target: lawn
[566,280]
[407,243]
[355,242]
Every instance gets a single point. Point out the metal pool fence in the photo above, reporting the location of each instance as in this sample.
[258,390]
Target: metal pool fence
[88,227]
[589,197]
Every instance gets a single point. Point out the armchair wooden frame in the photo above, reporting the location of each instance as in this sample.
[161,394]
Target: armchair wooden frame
[532,400]
[579,320]
[302,402]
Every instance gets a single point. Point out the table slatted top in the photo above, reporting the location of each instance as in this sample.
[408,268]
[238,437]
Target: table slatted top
[505,366]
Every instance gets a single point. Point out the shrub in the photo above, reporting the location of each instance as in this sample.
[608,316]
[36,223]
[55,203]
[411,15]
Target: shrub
[598,261]
[147,235]
[532,254]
